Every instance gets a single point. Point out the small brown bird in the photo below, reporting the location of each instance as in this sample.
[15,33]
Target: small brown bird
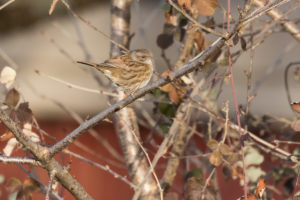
[129,72]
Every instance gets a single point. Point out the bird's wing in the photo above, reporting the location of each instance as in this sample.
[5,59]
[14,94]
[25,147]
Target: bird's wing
[115,63]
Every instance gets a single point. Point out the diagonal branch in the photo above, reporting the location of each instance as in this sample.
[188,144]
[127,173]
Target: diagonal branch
[41,153]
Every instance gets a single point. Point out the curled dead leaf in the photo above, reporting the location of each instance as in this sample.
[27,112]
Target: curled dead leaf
[296,106]
[199,40]
[176,90]
[212,144]
[204,7]
[12,98]
[216,158]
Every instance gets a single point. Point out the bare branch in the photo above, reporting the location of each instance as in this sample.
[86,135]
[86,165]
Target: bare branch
[275,14]
[19,160]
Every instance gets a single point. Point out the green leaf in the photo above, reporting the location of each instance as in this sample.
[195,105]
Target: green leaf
[167,110]
[195,172]
[166,8]
[164,127]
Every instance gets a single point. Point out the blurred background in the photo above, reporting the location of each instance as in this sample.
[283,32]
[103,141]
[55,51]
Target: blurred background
[33,40]
[44,49]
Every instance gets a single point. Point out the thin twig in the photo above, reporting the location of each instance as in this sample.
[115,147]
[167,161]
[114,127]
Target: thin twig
[193,20]
[256,14]
[6,4]
[289,26]
[18,160]
[104,168]
[51,175]
[71,85]
[92,26]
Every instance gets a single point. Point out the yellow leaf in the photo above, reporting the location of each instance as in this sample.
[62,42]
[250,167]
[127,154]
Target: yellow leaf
[204,7]
[215,158]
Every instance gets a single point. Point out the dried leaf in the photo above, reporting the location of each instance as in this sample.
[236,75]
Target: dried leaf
[31,183]
[235,39]
[216,158]
[204,7]
[199,39]
[8,76]
[212,144]
[185,3]
[164,40]
[176,90]
[261,186]
[237,171]
[171,19]
[296,106]
[6,136]
[224,149]
[249,197]
[243,44]
[12,98]
[24,113]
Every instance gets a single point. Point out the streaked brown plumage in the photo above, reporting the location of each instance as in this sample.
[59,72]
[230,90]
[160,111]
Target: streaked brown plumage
[129,72]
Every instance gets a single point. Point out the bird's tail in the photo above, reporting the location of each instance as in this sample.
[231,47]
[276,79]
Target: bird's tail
[88,63]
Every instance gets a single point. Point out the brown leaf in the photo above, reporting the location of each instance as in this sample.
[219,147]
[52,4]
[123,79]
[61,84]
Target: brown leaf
[249,197]
[6,136]
[216,158]
[171,19]
[164,40]
[185,3]
[212,144]
[296,106]
[24,113]
[204,7]
[12,98]
[199,39]
[237,171]
[235,39]
[243,43]
[261,186]
[224,149]
[176,90]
